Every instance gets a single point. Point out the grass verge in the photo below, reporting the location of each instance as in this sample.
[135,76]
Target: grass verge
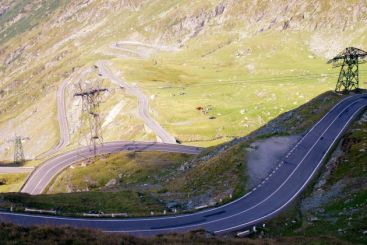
[12,182]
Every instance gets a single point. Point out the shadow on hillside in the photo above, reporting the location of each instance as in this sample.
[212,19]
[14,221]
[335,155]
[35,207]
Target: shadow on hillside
[11,164]
[296,121]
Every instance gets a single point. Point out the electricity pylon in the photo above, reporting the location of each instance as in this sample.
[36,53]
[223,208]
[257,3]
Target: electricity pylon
[18,149]
[349,61]
[91,99]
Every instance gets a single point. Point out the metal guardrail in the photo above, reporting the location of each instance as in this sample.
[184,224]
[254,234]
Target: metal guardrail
[32,210]
[113,215]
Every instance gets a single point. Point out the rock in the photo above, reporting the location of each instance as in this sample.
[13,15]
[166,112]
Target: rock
[313,218]
[184,167]
[212,203]
[90,182]
[251,68]
[69,188]
[314,111]
[112,182]
[219,10]
[172,205]
[13,56]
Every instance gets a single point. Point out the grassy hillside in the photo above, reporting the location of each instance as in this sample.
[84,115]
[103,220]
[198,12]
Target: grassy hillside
[20,16]
[76,204]
[12,182]
[125,170]
[169,181]
[48,235]
[214,71]
[239,60]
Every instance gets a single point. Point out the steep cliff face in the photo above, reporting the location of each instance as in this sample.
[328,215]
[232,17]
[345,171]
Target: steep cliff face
[44,42]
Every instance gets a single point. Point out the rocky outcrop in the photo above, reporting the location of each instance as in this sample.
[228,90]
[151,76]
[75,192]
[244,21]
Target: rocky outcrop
[187,26]
[13,56]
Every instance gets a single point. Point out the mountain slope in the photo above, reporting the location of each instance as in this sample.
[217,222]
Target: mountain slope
[238,59]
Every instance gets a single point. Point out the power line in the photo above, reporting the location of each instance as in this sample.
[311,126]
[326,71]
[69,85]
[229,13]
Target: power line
[18,149]
[349,61]
[91,99]
[288,78]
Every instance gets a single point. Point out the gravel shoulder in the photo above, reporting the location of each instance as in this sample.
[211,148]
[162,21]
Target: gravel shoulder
[264,155]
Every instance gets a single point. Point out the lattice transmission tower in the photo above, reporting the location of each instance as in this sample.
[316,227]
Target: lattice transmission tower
[18,149]
[349,61]
[91,99]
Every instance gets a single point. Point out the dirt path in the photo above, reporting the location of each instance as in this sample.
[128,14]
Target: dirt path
[141,50]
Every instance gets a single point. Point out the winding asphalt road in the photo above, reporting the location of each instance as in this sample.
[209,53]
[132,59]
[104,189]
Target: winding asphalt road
[44,174]
[143,104]
[141,50]
[64,140]
[15,170]
[62,117]
[63,123]
[64,133]
[266,200]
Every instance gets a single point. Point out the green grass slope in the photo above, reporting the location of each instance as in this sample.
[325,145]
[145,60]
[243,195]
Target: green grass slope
[216,176]
[12,234]
[241,59]
[22,15]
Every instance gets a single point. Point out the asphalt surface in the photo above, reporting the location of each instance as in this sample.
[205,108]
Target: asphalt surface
[15,170]
[64,132]
[62,117]
[141,50]
[44,174]
[145,45]
[143,104]
[266,200]
[63,123]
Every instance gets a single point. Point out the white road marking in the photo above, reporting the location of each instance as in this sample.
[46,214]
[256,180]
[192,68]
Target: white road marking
[219,231]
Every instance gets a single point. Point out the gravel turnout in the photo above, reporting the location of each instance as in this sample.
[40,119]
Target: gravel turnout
[263,155]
